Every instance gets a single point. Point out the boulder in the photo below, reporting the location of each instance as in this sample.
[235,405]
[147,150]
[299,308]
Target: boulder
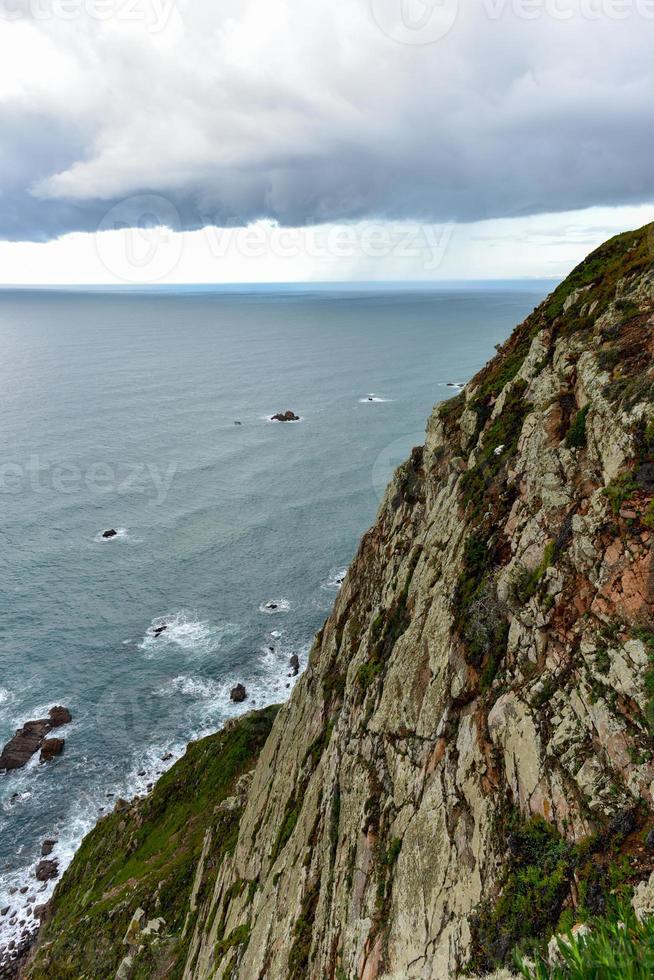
[24,744]
[59,716]
[30,738]
[295,664]
[285,417]
[46,870]
[238,693]
[47,847]
[110,533]
[51,747]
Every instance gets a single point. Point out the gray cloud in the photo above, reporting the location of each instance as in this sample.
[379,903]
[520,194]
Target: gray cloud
[312,113]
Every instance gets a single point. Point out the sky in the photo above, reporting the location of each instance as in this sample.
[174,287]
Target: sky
[146,141]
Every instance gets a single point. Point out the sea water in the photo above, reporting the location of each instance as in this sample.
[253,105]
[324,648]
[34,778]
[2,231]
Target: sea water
[120,410]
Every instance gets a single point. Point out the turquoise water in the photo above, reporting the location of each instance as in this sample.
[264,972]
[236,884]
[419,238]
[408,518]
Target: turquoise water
[118,410]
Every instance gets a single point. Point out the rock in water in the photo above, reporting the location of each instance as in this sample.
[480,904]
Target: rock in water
[295,664]
[47,847]
[238,693]
[59,716]
[24,744]
[46,870]
[285,417]
[111,533]
[51,747]
[31,737]
[158,630]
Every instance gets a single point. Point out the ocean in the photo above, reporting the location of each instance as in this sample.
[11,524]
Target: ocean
[119,410]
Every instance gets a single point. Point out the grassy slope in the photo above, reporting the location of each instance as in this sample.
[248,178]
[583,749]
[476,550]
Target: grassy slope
[145,855]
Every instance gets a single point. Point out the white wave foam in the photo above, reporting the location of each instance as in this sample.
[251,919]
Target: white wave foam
[122,534]
[374,398]
[268,680]
[335,580]
[195,687]
[184,630]
[273,606]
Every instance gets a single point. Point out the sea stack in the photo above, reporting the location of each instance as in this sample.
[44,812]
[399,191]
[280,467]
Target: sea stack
[285,417]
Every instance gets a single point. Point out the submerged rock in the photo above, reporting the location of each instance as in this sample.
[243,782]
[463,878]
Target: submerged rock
[110,533]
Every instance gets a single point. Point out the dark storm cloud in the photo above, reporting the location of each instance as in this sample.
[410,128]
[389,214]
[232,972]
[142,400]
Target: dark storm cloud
[312,115]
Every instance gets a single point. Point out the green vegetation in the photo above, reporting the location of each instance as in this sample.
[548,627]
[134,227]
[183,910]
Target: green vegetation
[237,937]
[536,885]
[646,636]
[623,255]
[542,874]
[576,435]
[386,629]
[526,583]
[499,445]
[619,947]
[619,490]
[145,855]
[298,956]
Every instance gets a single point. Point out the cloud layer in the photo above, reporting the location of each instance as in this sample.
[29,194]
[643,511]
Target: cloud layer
[195,113]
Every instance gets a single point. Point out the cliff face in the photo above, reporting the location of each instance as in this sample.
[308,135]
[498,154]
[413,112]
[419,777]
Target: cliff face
[468,757]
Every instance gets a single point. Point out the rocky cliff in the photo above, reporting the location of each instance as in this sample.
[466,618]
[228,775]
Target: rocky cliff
[467,762]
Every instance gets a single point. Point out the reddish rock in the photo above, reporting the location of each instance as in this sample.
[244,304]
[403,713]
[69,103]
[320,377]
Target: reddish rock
[59,716]
[51,747]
